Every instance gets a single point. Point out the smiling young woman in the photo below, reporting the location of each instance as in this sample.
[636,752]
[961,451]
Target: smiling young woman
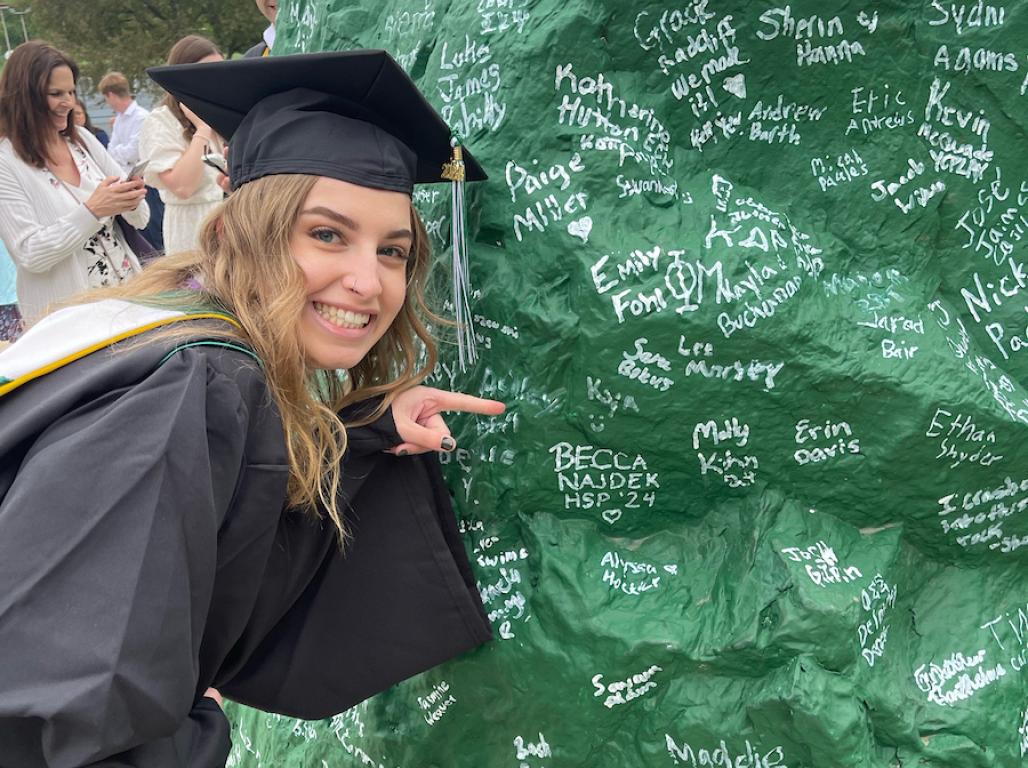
[224,473]
[352,244]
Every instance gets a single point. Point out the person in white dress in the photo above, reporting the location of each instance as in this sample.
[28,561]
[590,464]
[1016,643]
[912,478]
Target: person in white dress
[59,188]
[185,156]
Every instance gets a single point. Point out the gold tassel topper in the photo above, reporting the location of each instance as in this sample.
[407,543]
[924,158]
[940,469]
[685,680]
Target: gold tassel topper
[453,169]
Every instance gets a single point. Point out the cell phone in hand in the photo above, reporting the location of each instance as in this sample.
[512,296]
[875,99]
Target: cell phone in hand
[137,170]
[212,160]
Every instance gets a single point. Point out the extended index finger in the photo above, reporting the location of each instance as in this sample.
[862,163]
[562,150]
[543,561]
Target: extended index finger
[459,401]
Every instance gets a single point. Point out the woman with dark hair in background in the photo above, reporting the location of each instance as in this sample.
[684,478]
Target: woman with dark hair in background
[82,121]
[59,189]
[184,156]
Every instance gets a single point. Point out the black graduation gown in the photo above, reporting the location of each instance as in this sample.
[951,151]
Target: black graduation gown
[145,555]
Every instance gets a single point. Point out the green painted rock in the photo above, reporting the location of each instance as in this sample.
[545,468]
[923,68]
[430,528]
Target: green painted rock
[752,280]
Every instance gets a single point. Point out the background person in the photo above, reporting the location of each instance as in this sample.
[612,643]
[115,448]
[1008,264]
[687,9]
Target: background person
[124,145]
[128,119]
[269,8]
[175,142]
[81,116]
[10,317]
[184,516]
[59,189]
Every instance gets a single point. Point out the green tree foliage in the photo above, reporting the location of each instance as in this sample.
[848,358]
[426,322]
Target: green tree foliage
[131,35]
[17,24]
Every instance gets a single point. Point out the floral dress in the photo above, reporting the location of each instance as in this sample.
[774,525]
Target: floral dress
[106,258]
[10,323]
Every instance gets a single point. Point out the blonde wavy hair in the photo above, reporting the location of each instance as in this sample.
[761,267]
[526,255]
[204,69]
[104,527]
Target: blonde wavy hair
[245,268]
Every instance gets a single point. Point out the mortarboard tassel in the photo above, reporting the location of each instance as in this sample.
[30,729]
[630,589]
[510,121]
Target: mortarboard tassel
[454,172]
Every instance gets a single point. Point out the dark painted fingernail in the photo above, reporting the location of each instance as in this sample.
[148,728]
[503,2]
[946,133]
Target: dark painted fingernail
[448,443]
[402,452]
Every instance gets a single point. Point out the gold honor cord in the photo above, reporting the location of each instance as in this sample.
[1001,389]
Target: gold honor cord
[10,385]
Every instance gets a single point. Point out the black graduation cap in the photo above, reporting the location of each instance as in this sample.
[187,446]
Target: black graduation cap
[349,115]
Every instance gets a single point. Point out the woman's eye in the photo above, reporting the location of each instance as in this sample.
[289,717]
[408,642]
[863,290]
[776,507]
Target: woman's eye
[328,236]
[394,251]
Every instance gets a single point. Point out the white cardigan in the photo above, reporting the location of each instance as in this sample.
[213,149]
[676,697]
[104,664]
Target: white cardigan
[46,229]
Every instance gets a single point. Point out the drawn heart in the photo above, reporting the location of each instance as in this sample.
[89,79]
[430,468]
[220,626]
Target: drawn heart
[735,85]
[612,515]
[581,228]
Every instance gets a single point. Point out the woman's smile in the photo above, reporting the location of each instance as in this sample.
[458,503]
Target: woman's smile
[342,322]
[339,316]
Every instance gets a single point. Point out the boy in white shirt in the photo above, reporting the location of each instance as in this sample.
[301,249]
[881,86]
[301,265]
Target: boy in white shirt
[124,144]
